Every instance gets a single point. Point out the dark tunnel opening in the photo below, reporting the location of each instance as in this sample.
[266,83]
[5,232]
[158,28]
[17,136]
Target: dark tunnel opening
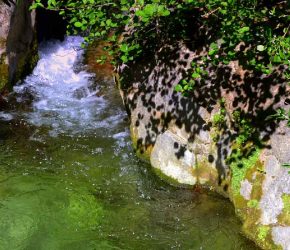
[50,25]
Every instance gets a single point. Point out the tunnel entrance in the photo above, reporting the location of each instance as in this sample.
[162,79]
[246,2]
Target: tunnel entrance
[50,25]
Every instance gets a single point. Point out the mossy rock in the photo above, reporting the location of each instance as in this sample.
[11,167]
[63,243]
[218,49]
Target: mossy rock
[238,174]
[3,75]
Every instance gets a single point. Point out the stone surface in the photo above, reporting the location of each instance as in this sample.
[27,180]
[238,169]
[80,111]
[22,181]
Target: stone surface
[190,139]
[18,45]
[276,183]
[246,189]
[164,158]
[281,237]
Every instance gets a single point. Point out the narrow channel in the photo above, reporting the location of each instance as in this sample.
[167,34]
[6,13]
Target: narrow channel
[69,178]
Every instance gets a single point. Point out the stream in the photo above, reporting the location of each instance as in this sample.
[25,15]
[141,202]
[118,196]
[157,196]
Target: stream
[69,178]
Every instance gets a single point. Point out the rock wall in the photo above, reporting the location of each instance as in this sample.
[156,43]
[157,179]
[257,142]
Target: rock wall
[218,136]
[18,44]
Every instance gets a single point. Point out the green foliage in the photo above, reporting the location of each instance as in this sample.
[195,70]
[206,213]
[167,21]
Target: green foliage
[122,23]
[185,86]
[246,131]
[254,32]
[280,115]
[219,118]
[150,11]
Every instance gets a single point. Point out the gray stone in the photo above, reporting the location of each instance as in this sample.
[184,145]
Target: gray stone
[280,143]
[281,236]
[164,157]
[246,189]
[276,183]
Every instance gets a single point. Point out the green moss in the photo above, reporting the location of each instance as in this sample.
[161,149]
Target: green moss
[253,203]
[83,211]
[284,217]
[263,232]
[239,173]
[218,119]
[286,202]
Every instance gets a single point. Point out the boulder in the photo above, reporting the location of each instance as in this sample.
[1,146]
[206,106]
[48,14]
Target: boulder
[218,136]
[18,44]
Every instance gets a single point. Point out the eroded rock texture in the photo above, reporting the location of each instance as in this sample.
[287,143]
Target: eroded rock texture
[218,136]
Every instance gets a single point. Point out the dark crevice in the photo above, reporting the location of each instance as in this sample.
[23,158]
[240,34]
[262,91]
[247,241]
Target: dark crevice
[50,25]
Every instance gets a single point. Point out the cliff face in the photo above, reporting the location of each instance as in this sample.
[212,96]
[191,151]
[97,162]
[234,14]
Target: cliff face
[18,44]
[217,136]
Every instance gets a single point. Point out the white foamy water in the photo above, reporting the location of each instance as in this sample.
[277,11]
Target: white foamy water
[64,99]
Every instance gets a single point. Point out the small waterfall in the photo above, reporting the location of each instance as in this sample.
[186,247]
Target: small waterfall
[64,94]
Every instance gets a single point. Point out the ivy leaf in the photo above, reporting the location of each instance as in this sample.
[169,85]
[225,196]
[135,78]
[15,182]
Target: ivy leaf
[124,59]
[244,29]
[78,24]
[277,59]
[178,88]
[165,13]
[124,48]
[195,75]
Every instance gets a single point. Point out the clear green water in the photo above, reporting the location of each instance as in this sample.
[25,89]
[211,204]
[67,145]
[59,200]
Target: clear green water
[85,189]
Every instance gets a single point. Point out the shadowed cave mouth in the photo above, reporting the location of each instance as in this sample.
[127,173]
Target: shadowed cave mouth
[50,25]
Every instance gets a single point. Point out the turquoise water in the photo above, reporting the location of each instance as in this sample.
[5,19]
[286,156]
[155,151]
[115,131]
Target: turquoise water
[69,178]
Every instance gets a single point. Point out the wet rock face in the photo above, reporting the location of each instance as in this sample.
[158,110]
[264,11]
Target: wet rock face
[18,45]
[5,14]
[198,139]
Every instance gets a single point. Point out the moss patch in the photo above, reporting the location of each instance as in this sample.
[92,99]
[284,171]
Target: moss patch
[83,211]
[239,173]
[249,211]
[284,217]
[253,203]
[263,232]
[286,202]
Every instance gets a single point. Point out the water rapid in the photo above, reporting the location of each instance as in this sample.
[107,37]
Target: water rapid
[69,178]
